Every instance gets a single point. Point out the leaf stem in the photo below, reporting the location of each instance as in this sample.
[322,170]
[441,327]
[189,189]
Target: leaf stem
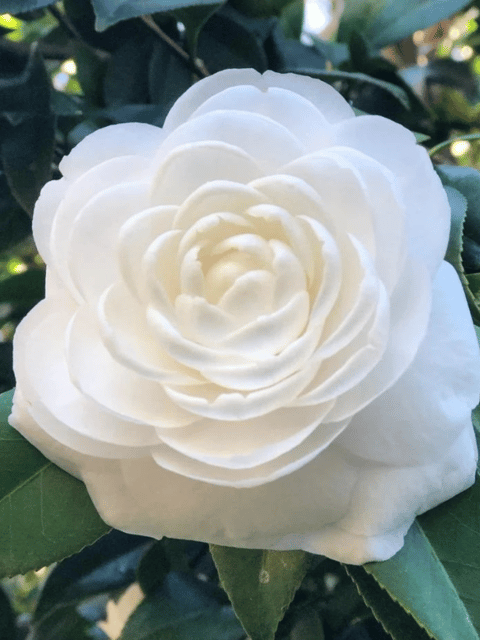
[446,143]
[197,65]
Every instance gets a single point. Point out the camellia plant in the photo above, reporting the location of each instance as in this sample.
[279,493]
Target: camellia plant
[242,338]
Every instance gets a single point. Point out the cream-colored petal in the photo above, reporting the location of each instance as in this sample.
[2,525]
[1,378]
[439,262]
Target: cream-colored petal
[114,141]
[424,197]
[119,389]
[129,339]
[422,414]
[134,238]
[242,131]
[187,166]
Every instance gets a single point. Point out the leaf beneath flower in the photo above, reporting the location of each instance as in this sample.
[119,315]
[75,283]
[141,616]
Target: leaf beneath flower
[260,584]
[45,513]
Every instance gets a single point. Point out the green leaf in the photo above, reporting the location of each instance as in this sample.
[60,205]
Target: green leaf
[15,225]
[64,623]
[194,19]
[260,8]
[260,584]
[462,185]
[181,611]
[27,287]
[226,43]
[416,591]
[20,6]
[291,19]
[27,144]
[359,78]
[168,77]
[110,12]
[153,568]
[388,21]
[126,77]
[453,531]
[45,513]
[8,630]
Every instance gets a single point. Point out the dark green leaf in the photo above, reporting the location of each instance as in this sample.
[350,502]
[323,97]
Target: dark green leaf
[291,19]
[417,581]
[126,77]
[394,619]
[290,54]
[153,568]
[45,514]
[168,77]
[15,225]
[64,623]
[194,19]
[28,287]
[20,6]
[181,611]
[260,8]
[8,629]
[109,12]
[107,565]
[27,144]
[462,185]
[149,113]
[453,531]
[384,23]
[260,584]
[227,43]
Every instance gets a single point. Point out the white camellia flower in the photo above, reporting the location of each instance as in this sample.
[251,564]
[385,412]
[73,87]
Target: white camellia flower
[249,335]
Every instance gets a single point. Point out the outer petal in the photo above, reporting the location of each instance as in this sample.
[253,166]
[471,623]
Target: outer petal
[351,514]
[132,138]
[420,417]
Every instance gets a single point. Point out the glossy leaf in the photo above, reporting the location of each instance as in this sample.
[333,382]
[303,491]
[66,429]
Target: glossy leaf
[27,287]
[20,6]
[421,591]
[260,8]
[194,19]
[260,584]
[109,12]
[45,514]
[384,23]
[227,41]
[107,565]
[28,138]
[462,185]
[15,225]
[182,611]
[168,78]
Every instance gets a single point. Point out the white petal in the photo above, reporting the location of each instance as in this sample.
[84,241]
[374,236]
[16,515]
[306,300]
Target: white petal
[270,144]
[214,402]
[186,166]
[100,178]
[134,238]
[132,138]
[129,339]
[46,208]
[284,106]
[423,194]
[242,473]
[95,267]
[410,308]
[213,197]
[116,388]
[420,417]
[55,403]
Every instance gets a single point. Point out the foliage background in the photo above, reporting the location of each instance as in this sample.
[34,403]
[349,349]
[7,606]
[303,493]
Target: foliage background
[68,68]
